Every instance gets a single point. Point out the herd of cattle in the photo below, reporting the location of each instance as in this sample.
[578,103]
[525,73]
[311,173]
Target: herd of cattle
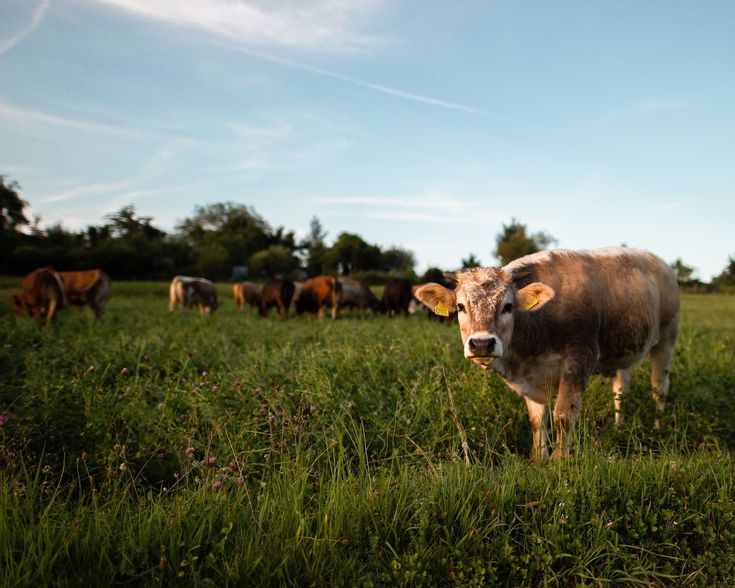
[545,322]
[315,295]
[45,291]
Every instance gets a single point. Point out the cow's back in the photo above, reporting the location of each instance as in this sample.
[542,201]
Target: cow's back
[615,301]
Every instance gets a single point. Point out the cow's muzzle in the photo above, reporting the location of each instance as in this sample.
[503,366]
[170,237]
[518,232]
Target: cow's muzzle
[482,345]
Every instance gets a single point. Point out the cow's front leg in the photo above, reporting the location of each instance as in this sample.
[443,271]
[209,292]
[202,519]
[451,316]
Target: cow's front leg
[566,409]
[537,417]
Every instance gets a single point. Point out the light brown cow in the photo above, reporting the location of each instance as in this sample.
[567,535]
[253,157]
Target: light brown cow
[187,291]
[246,293]
[41,295]
[548,321]
[318,294]
[89,287]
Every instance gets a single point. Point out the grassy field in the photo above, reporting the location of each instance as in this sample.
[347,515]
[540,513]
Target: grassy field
[156,449]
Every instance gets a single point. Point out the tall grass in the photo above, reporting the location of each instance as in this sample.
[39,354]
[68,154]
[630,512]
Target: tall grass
[152,448]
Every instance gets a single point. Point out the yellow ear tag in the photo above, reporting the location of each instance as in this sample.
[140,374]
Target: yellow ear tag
[530,304]
[441,310]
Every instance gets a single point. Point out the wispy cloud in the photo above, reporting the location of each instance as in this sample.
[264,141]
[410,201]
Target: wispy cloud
[15,114]
[654,105]
[434,206]
[36,18]
[98,189]
[327,25]
[370,85]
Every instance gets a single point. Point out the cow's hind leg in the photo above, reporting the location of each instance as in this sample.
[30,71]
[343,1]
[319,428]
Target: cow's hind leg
[661,366]
[566,409]
[620,386]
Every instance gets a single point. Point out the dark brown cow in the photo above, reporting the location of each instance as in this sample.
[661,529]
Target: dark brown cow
[41,295]
[356,294]
[398,297]
[276,294]
[187,291]
[318,294]
[548,321]
[246,293]
[90,287]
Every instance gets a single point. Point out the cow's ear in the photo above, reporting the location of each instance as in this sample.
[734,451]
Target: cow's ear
[534,296]
[437,298]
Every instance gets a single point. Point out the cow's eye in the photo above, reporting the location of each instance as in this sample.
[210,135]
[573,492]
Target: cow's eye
[507,308]
[460,307]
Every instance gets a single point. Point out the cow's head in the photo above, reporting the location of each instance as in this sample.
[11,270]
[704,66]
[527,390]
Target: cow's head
[486,301]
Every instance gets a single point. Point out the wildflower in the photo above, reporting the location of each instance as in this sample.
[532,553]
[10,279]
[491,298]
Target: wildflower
[211,460]
[189,452]
[240,481]
[3,419]
[214,388]
[204,373]
[216,485]
[312,409]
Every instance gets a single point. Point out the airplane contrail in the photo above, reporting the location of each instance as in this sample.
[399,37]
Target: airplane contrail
[20,35]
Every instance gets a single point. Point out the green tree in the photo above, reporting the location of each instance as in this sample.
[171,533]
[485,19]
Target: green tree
[11,206]
[514,242]
[397,259]
[315,249]
[433,274]
[125,223]
[683,272]
[727,278]
[350,253]
[225,234]
[471,261]
[275,261]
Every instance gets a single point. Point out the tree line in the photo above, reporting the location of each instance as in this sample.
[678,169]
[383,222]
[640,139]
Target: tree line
[228,240]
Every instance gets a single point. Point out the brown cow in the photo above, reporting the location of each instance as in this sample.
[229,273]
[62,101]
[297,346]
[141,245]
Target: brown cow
[398,297]
[246,293]
[548,321]
[90,287]
[41,295]
[318,294]
[278,294]
[187,291]
[356,294]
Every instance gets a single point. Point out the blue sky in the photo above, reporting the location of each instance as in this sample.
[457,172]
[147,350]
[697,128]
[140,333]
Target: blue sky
[421,124]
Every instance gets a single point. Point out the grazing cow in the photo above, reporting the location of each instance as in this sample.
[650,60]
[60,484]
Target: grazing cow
[548,321]
[318,294]
[187,291]
[356,294]
[398,297]
[246,293]
[89,287]
[41,295]
[278,294]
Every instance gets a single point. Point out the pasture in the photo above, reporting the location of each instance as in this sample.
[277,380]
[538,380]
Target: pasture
[156,449]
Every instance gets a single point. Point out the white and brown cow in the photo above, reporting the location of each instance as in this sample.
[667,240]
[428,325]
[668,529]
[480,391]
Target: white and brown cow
[548,321]
[188,291]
